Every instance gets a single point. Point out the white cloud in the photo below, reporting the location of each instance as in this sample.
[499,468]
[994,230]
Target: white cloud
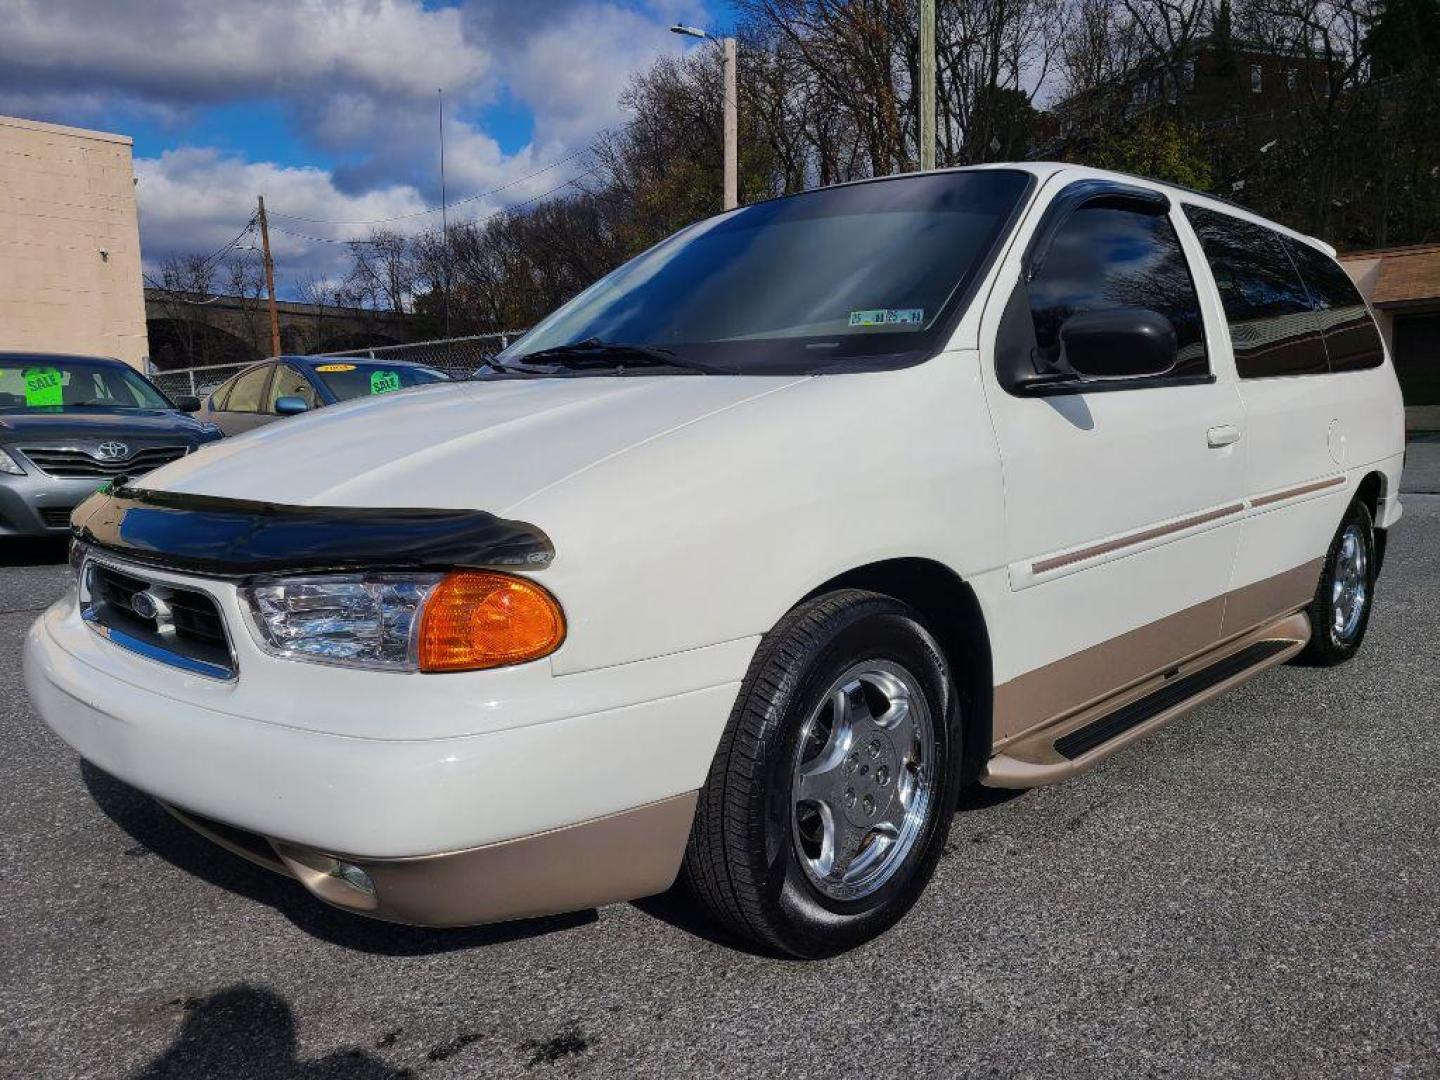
[192,52]
[356,81]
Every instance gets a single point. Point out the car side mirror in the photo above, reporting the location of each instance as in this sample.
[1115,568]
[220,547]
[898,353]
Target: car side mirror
[290,406]
[1118,343]
[188,403]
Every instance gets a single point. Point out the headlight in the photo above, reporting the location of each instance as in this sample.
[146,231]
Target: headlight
[9,465]
[461,621]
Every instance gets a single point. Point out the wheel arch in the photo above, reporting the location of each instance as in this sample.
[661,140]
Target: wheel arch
[1371,491]
[952,611]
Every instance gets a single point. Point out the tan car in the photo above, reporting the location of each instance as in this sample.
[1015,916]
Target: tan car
[289,385]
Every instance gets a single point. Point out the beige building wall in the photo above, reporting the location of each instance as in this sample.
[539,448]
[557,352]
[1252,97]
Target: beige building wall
[69,243]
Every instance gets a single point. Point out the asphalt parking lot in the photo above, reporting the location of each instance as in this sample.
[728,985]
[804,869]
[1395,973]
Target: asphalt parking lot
[1255,891]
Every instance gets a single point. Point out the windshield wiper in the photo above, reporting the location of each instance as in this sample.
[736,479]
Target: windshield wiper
[594,353]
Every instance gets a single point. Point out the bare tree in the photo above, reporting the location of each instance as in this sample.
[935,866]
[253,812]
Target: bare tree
[382,269]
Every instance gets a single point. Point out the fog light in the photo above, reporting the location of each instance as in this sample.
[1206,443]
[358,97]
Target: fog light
[353,876]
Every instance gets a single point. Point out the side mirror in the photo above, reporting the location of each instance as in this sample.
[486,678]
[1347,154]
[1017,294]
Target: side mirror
[188,403]
[290,406]
[1118,343]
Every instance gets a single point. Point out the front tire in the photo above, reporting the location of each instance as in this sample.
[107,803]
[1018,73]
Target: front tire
[830,797]
[1340,611]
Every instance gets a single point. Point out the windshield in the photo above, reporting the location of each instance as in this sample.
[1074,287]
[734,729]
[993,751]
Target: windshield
[55,384]
[356,378]
[863,276]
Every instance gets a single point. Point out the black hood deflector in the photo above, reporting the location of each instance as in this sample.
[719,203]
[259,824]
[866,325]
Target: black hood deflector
[241,538]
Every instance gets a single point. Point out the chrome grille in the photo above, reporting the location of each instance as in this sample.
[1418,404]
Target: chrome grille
[174,625]
[72,462]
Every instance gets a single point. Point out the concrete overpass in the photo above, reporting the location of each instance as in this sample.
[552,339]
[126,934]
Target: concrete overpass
[189,331]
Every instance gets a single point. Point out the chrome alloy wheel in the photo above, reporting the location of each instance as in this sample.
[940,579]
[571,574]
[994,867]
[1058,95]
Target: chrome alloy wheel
[1350,588]
[862,779]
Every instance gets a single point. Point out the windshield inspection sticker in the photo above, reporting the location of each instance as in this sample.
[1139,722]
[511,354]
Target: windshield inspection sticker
[888,317]
[334,367]
[383,382]
[43,388]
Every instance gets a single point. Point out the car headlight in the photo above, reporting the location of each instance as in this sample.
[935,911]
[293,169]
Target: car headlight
[9,465]
[461,621]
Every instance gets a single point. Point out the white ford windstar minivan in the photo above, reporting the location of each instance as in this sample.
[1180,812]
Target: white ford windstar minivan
[744,561]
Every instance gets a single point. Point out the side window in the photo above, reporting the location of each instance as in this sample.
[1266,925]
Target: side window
[245,395]
[220,393]
[1351,340]
[1108,257]
[289,383]
[1266,305]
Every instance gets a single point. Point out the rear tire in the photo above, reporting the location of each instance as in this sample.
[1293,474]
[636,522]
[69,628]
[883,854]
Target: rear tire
[830,797]
[1340,612]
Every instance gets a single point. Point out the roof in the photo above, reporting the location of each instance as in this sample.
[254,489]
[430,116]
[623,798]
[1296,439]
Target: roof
[74,358]
[62,129]
[1380,253]
[322,358]
[1043,170]
[1406,275]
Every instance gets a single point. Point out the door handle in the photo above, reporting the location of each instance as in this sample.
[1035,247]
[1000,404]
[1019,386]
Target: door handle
[1224,435]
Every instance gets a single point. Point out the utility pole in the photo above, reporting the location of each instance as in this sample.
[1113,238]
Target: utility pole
[269,279]
[444,220]
[732,128]
[927,84]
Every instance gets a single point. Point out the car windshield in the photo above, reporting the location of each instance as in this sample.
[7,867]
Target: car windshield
[56,384]
[348,379]
[858,277]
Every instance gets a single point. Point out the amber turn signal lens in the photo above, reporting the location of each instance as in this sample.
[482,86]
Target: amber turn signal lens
[477,619]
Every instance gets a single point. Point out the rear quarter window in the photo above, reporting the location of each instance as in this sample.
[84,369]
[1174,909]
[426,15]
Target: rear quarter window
[1352,340]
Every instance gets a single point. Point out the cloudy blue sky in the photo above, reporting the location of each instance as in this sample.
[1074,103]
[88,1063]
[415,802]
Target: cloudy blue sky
[328,107]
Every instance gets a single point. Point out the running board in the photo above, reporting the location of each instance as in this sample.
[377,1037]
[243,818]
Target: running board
[1075,742]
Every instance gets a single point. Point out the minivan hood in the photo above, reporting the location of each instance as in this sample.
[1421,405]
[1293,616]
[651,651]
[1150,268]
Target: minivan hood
[100,424]
[474,445]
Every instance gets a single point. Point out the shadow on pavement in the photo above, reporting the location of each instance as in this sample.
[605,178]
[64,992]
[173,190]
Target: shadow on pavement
[160,834]
[25,551]
[245,1032]
[979,797]
[680,908]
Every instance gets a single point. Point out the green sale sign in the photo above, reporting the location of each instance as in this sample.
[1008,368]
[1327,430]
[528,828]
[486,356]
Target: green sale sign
[43,388]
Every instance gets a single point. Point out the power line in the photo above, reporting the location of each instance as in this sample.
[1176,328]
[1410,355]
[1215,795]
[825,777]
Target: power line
[472,221]
[454,203]
[211,260]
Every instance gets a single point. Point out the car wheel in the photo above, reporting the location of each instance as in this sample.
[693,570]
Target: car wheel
[831,794]
[1340,612]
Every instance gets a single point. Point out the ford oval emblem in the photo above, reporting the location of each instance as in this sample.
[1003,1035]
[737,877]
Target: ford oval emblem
[113,451]
[143,604]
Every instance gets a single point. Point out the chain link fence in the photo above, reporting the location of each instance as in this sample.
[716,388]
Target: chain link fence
[457,357]
[196,381]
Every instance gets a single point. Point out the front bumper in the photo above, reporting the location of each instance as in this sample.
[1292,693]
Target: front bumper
[528,793]
[40,505]
[622,856]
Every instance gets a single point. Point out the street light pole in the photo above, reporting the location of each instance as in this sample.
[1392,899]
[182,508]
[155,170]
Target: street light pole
[731,122]
[732,128]
[927,84]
